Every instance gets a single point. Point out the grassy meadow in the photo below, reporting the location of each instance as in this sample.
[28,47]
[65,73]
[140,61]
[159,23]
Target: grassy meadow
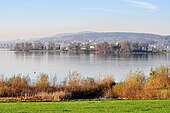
[102,106]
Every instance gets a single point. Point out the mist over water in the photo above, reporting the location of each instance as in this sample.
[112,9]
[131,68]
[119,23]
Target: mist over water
[55,63]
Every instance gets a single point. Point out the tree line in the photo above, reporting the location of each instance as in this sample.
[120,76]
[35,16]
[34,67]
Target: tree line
[75,86]
[103,47]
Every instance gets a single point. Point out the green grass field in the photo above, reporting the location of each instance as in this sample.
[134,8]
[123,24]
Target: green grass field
[107,106]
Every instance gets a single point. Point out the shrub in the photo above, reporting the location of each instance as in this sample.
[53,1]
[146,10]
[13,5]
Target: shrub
[135,85]
[42,83]
[158,84]
[131,87]
[44,96]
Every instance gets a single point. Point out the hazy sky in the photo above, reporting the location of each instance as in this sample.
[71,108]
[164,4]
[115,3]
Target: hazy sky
[24,19]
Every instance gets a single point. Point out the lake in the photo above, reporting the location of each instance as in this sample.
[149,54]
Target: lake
[55,63]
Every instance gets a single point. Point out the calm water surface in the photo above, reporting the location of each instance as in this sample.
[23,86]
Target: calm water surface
[33,63]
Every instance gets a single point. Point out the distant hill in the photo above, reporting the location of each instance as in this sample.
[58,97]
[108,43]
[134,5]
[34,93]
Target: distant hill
[105,36]
[108,36]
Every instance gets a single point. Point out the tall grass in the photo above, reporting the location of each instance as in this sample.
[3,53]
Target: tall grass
[134,85]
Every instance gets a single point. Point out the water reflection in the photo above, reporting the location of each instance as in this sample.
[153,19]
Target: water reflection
[88,64]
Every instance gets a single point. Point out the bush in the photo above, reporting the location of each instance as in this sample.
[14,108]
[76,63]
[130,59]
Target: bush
[131,87]
[135,85]
[157,85]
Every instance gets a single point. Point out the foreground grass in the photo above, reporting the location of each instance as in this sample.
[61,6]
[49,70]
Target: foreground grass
[107,106]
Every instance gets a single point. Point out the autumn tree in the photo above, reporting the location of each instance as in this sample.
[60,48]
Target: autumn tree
[4,88]
[107,83]
[131,87]
[19,85]
[42,83]
[158,84]
[125,47]
[74,80]
[105,47]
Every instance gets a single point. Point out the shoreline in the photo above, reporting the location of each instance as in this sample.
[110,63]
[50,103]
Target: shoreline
[91,52]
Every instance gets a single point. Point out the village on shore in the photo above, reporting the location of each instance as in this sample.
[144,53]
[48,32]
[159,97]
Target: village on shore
[116,47]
